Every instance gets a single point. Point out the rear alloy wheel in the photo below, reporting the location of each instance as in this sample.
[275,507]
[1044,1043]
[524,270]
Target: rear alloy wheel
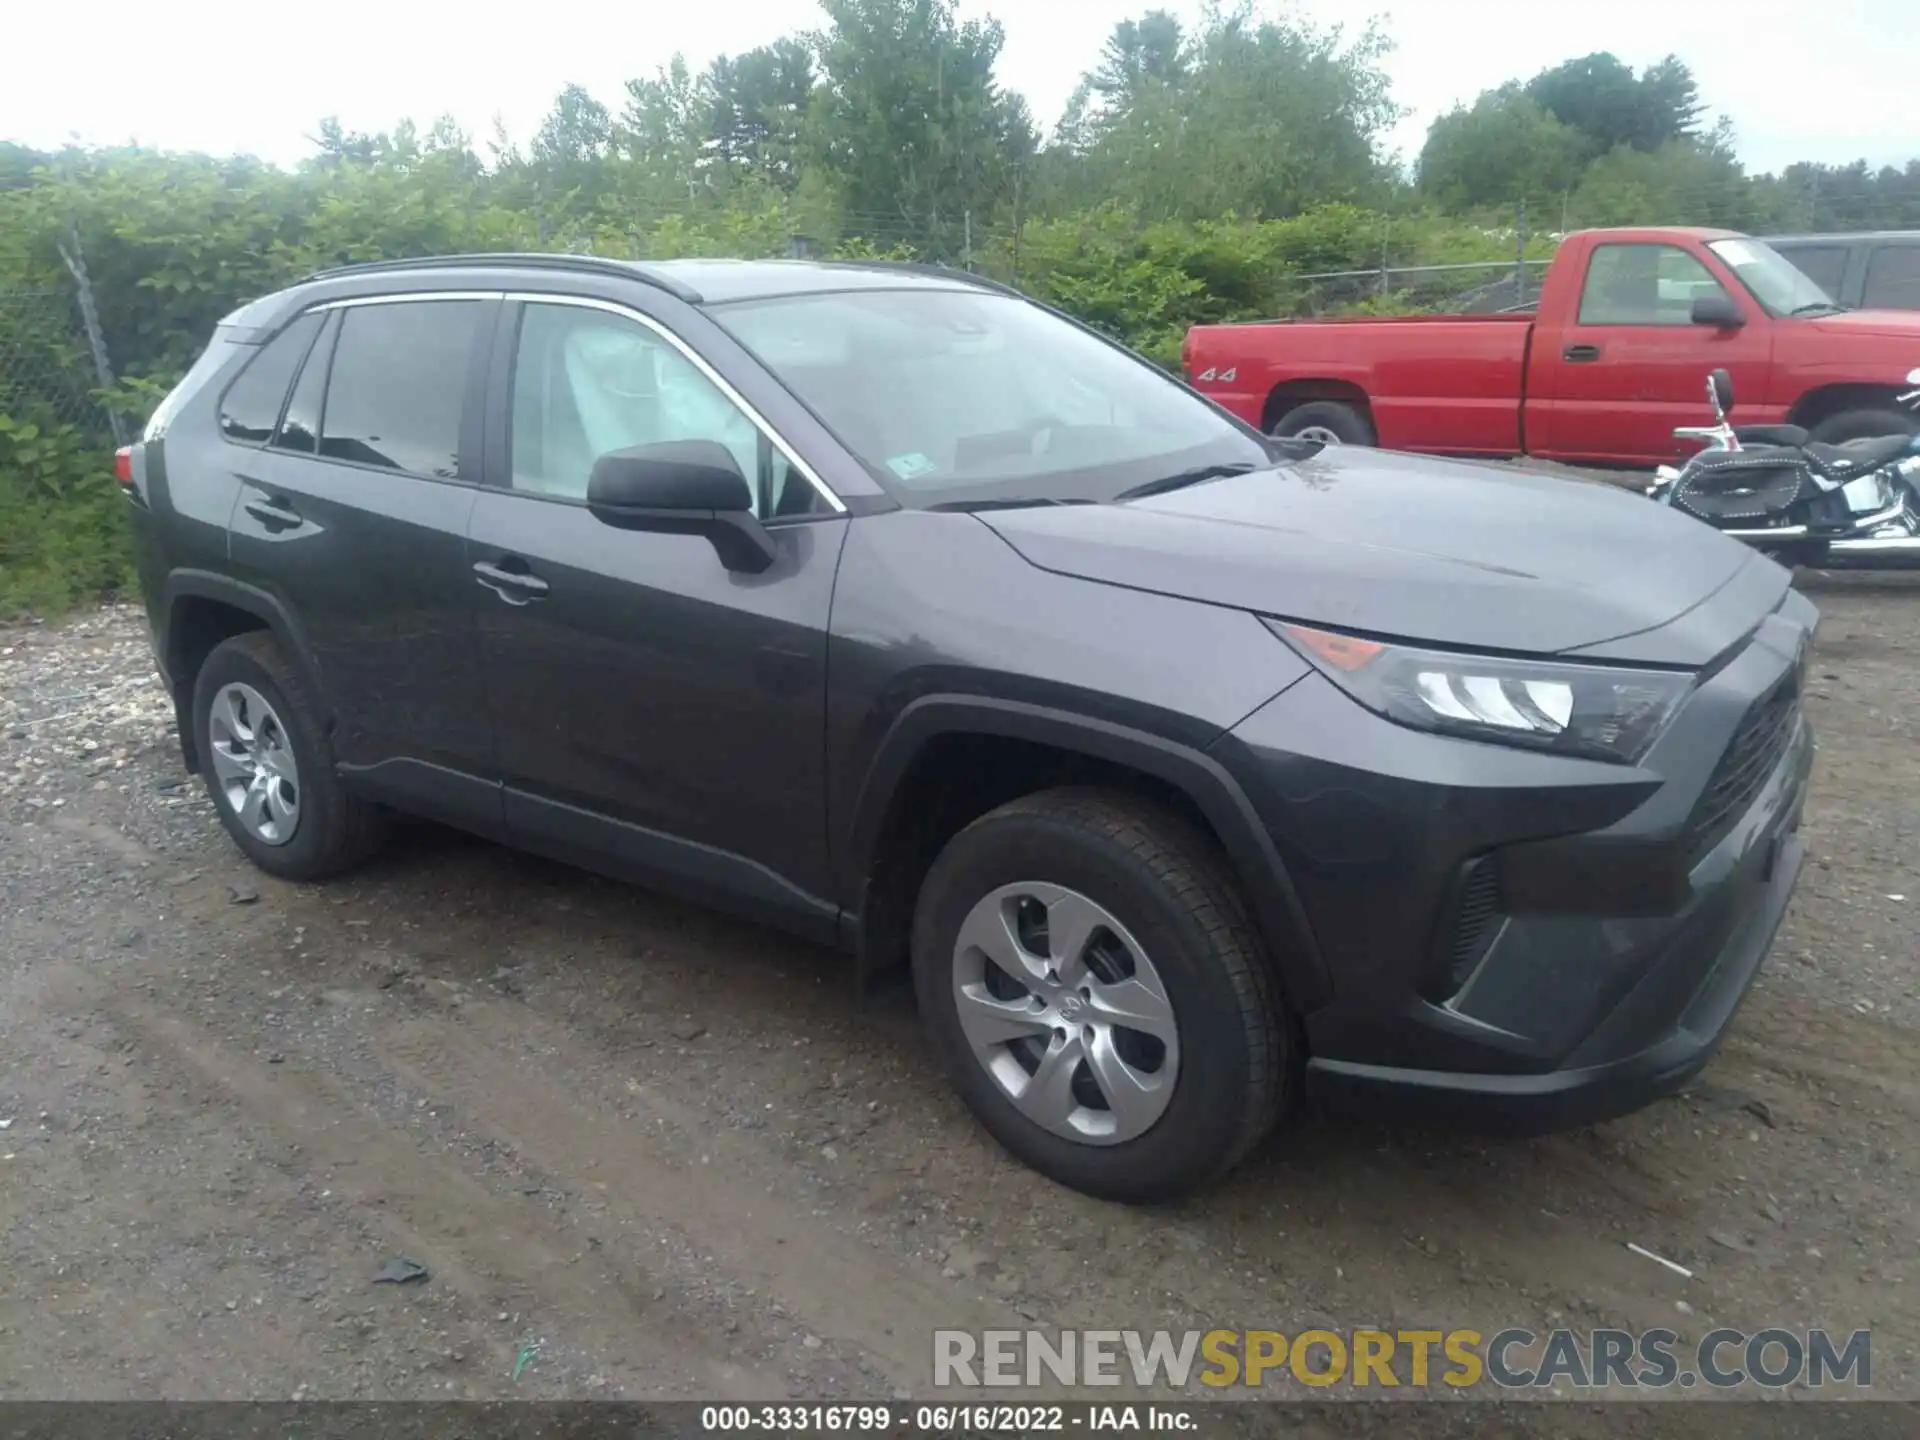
[268,765]
[1088,976]
[1327,422]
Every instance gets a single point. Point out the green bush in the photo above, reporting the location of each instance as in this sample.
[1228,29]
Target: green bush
[63,526]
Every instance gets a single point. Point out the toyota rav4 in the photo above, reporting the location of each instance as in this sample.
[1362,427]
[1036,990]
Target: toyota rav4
[1190,770]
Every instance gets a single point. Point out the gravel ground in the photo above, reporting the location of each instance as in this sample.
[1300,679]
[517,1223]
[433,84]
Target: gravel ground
[649,1152]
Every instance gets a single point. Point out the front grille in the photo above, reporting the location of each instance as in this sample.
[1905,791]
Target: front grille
[1749,759]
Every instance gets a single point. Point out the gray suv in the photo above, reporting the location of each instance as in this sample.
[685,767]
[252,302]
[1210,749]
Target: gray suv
[1188,769]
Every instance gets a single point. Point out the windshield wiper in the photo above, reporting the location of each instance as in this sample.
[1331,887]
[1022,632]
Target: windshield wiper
[1180,479]
[1818,307]
[1004,502]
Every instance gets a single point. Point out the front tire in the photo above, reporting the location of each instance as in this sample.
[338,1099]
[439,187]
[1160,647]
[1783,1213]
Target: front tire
[1089,978]
[268,766]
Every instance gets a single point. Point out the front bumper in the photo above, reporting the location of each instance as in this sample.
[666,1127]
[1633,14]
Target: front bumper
[1524,942]
[1658,1036]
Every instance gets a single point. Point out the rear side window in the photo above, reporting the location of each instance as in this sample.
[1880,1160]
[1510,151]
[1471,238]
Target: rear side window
[1825,265]
[300,429]
[397,384]
[252,405]
[1893,279]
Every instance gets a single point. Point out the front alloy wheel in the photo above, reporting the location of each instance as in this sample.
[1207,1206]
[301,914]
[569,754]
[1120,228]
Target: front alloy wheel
[1092,983]
[1066,1013]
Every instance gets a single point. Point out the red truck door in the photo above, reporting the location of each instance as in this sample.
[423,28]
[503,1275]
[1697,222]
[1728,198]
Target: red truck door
[1614,372]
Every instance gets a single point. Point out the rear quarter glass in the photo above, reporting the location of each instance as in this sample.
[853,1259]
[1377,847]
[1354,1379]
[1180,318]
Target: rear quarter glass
[212,361]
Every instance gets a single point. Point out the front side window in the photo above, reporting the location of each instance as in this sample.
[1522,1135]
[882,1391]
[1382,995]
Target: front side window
[397,386]
[586,383]
[251,407]
[1893,279]
[1644,285]
[957,395]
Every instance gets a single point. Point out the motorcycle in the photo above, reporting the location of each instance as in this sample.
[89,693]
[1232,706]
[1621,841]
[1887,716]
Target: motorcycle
[1855,505]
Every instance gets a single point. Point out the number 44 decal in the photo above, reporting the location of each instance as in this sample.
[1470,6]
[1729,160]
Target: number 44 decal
[1225,377]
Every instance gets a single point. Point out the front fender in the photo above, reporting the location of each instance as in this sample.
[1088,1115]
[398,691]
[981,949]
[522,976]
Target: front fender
[1257,865]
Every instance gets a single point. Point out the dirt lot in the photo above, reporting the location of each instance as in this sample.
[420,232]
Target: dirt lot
[648,1152]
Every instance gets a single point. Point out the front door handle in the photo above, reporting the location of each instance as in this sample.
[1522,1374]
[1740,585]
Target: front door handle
[1580,354]
[516,587]
[276,512]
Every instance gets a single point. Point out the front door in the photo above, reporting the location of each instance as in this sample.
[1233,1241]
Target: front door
[355,516]
[655,713]
[1631,365]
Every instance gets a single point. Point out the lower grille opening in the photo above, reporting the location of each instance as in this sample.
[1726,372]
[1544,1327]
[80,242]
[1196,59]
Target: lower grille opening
[1744,767]
[1473,919]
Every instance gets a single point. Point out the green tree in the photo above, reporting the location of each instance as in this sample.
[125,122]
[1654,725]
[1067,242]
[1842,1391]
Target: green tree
[1504,148]
[910,121]
[1600,96]
[1257,117]
[757,110]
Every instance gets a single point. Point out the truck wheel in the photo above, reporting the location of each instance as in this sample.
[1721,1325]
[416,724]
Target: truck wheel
[1328,421]
[268,765]
[1090,980]
[1864,423]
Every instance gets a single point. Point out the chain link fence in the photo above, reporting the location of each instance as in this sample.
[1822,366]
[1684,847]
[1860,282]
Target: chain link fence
[47,371]
[1480,287]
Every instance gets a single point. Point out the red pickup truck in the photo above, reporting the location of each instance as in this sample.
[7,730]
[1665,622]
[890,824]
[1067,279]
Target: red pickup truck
[1616,355]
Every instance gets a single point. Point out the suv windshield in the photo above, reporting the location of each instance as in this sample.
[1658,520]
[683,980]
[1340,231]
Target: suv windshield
[950,396]
[1776,282]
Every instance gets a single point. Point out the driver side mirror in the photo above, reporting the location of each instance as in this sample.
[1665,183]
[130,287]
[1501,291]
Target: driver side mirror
[1720,392]
[1717,310]
[682,487]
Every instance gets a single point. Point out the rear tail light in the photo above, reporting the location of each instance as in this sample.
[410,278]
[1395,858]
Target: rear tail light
[1186,357]
[123,465]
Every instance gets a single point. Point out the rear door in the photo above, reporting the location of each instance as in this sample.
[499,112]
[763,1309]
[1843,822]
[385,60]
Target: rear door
[1613,380]
[354,516]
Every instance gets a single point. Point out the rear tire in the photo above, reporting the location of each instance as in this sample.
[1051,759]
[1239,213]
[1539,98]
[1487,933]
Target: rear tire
[305,825]
[1328,421]
[1157,915]
[1864,423]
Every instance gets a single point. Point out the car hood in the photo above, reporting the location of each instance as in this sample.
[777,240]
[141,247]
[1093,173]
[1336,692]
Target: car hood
[1898,324]
[1448,552]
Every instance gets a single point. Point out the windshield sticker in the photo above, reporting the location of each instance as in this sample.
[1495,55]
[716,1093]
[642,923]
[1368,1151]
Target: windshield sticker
[1739,252]
[911,466]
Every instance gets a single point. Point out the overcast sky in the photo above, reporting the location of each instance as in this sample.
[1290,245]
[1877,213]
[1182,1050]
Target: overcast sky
[1832,82]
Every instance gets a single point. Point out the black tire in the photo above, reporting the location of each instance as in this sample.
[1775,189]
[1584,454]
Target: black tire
[1165,882]
[335,830]
[1864,423]
[1337,419]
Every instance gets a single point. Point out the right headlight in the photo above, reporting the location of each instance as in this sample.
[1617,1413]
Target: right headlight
[1603,712]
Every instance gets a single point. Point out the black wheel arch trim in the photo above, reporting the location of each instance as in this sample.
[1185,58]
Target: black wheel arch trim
[264,606]
[1257,865]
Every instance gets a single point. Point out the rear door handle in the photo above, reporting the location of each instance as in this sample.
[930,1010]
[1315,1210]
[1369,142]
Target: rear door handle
[1580,354]
[516,587]
[275,512]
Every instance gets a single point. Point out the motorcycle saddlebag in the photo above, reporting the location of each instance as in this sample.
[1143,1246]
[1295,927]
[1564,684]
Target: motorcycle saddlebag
[1741,486]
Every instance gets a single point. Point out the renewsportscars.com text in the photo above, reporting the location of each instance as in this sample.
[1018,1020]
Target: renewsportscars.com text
[1511,1359]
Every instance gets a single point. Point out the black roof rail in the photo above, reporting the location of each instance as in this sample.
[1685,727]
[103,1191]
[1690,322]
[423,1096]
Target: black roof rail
[544,260]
